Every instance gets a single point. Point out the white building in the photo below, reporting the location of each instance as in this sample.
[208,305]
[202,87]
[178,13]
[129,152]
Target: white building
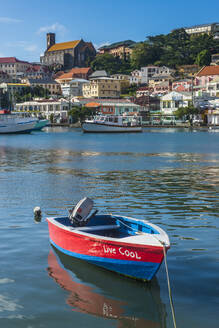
[213,87]
[135,77]
[46,108]
[143,75]
[170,102]
[73,88]
[213,117]
[212,28]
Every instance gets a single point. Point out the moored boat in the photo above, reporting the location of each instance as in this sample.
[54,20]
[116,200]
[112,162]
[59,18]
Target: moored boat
[125,245]
[40,124]
[113,123]
[12,123]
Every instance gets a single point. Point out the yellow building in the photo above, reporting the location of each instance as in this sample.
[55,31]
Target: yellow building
[103,87]
[121,49]
[123,79]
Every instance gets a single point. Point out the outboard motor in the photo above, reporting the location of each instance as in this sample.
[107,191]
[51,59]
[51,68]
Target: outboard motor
[79,215]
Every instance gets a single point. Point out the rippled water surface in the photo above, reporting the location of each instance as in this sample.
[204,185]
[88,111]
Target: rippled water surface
[170,177]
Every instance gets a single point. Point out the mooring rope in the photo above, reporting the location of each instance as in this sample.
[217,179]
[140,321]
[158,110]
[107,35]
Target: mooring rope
[168,284]
[166,267]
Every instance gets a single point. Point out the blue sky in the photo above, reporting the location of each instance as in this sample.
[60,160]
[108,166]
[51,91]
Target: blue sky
[24,24]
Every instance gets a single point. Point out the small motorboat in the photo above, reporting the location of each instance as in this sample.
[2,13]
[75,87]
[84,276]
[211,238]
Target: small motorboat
[128,246]
[113,124]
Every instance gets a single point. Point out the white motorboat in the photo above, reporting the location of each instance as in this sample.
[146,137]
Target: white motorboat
[113,123]
[12,123]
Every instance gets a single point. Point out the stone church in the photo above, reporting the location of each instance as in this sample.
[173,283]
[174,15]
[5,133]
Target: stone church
[67,54]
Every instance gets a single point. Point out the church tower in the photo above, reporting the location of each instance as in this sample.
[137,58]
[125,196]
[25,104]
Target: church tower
[51,39]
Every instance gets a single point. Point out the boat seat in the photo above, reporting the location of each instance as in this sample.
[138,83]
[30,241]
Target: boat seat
[98,227]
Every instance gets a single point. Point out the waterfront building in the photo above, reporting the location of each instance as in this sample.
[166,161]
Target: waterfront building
[56,108]
[67,54]
[111,106]
[103,87]
[213,116]
[170,102]
[122,49]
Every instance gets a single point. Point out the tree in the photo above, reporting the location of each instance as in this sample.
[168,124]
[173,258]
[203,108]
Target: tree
[4,100]
[186,112]
[106,62]
[203,58]
[174,49]
[78,114]
[145,54]
[111,64]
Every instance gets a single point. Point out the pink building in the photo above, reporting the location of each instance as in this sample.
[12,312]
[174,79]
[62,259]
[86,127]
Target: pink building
[206,75]
[184,85]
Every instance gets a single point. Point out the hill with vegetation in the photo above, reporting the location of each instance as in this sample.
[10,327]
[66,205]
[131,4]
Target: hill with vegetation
[172,50]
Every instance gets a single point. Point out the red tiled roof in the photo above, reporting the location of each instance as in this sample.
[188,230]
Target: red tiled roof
[80,70]
[209,70]
[92,104]
[36,68]
[73,71]
[11,60]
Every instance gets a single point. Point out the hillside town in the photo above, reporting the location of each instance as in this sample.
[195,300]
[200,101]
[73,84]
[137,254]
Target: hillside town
[63,81]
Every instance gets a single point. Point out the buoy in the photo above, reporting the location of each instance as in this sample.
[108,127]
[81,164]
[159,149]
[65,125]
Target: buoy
[37,214]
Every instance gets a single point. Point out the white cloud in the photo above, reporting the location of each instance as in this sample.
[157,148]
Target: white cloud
[23,44]
[31,48]
[9,20]
[56,27]
[97,46]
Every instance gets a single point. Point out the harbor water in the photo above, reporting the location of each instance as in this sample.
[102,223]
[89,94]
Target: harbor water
[168,176]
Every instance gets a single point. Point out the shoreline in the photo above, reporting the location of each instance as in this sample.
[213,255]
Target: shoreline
[78,125]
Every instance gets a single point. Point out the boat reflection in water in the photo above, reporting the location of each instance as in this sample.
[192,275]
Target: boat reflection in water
[106,294]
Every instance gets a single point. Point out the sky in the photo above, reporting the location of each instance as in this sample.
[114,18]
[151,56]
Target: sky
[24,23]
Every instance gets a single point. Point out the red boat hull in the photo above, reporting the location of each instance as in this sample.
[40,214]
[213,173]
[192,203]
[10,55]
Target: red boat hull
[137,261]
